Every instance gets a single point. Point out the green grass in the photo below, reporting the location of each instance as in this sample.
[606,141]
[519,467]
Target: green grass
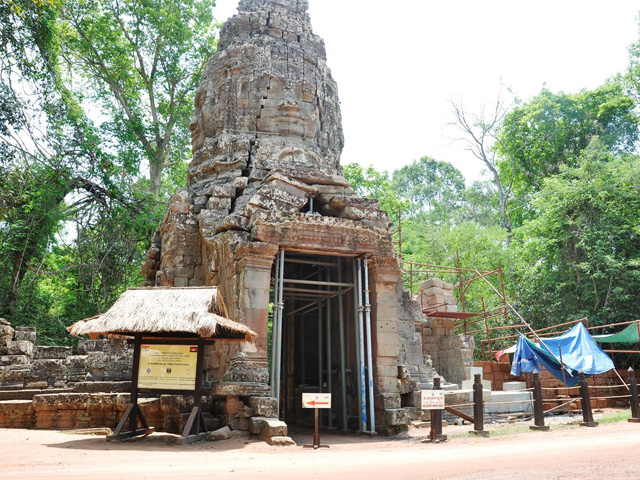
[615,417]
[498,430]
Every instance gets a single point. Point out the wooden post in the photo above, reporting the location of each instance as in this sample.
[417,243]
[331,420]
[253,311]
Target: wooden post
[478,408]
[538,408]
[635,404]
[436,418]
[316,433]
[133,414]
[195,429]
[587,414]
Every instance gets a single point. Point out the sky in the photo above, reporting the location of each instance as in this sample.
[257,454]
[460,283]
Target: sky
[399,63]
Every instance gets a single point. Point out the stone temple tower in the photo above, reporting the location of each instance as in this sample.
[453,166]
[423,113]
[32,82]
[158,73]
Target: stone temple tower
[269,218]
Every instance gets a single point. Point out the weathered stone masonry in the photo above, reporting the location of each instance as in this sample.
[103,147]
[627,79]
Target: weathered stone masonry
[266,176]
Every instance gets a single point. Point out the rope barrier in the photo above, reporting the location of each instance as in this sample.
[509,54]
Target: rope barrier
[513,402]
[558,406]
[602,387]
[611,398]
[461,405]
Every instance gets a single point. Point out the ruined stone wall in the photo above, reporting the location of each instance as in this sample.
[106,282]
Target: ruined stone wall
[418,363]
[450,352]
[25,365]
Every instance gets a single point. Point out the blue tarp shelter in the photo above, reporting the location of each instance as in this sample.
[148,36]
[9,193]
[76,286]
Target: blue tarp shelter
[580,352]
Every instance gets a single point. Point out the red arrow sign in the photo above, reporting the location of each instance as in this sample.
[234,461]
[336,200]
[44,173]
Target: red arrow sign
[316,400]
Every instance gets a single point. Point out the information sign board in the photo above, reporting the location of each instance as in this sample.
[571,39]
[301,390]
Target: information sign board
[168,367]
[316,400]
[432,399]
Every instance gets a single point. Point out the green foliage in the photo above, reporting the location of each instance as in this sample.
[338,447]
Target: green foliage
[479,248]
[580,255]
[76,214]
[540,137]
[142,60]
[430,186]
[371,183]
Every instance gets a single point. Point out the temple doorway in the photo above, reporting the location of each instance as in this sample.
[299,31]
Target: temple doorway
[320,342]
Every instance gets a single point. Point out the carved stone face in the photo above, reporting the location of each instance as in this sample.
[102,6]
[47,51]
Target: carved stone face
[268,89]
[285,112]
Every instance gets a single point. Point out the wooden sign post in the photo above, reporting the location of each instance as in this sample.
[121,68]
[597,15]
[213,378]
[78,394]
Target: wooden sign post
[433,400]
[165,366]
[316,401]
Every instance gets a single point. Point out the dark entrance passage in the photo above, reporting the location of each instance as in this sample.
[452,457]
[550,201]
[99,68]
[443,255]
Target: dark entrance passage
[320,339]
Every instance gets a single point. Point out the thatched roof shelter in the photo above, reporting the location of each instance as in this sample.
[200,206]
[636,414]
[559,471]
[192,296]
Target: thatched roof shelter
[194,310]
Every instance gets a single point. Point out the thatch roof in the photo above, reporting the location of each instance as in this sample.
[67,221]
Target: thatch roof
[199,310]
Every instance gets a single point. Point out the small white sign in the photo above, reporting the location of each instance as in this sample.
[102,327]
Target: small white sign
[432,399]
[316,400]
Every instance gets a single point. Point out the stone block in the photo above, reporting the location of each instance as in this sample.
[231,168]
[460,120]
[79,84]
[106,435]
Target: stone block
[86,345]
[518,402]
[245,412]
[387,385]
[407,386]
[273,428]
[255,424]
[62,401]
[387,325]
[396,416]
[52,353]
[16,373]
[435,300]
[386,371]
[279,441]
[14,360]
[387,344]
[413,399]
[264,406]
[509,386]
[470,372]
[239,423]
[20,347]
[6,334]
[222,434]
[25,334]
[16,414]
[486,392]
[450,299]
[413,413]
[386,401]
[432,282]
[232,406]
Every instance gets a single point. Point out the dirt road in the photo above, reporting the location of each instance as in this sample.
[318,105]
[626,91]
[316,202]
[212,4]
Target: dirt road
[607,452]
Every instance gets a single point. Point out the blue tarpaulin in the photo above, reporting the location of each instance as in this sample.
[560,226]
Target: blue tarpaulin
[580,352]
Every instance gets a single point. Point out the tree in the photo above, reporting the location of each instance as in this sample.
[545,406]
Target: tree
[374,184]
[480,132]
[581,254]
[429,185]
[75,212]
[549,132]
[142,60]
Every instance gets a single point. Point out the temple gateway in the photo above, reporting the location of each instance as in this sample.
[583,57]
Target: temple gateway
[268,217]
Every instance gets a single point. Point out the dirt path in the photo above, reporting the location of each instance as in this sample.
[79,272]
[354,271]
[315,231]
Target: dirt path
[607,452]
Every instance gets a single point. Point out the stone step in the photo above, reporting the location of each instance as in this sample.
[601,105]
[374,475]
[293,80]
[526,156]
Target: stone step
[468,384]
[509,386]
[522,404]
